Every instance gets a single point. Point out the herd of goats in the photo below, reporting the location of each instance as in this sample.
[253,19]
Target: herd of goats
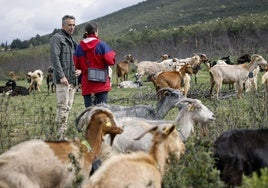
[130,146]
[167,72]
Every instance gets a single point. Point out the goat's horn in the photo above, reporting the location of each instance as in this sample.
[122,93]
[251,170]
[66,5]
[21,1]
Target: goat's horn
[145,132]
[165,89]
[186,100]
[77,125]
[161,91]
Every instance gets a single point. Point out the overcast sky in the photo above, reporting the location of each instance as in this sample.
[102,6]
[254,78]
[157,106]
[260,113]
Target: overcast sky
[23,19]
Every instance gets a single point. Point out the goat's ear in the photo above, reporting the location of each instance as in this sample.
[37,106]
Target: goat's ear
[168,129]
[254,57]
[112,122]
[191,107]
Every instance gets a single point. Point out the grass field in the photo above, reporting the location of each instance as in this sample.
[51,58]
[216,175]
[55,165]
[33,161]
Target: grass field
[28,117]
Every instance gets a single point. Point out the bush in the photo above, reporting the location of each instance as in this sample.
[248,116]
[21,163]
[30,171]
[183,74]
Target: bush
[257,180]
[195,168]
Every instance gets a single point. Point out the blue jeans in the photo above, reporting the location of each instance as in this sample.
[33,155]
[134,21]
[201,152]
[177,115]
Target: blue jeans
[99,98]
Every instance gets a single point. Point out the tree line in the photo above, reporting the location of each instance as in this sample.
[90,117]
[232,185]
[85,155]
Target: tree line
[32,42]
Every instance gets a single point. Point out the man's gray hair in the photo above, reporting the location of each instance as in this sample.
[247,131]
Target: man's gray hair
[64,18]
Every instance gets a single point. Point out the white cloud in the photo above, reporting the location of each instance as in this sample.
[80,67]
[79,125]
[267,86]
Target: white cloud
[23,19]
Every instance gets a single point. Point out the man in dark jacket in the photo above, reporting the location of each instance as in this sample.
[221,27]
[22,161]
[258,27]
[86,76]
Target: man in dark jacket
[62,47]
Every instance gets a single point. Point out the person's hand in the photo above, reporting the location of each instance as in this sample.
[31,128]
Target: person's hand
[77,72]
[64,81]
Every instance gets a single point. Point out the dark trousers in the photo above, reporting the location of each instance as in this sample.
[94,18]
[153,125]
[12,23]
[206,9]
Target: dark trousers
[89,100]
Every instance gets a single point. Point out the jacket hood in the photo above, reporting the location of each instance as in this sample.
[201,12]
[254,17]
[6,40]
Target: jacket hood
[89,43]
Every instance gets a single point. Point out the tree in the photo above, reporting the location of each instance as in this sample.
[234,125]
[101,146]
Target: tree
[18,44]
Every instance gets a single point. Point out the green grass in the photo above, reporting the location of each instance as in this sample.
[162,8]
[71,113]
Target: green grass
[25,117]
[29,117]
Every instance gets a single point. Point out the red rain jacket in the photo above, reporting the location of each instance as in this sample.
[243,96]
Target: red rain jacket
[98,55]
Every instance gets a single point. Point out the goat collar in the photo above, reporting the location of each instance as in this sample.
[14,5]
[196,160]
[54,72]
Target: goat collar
[87,145]
[250,74]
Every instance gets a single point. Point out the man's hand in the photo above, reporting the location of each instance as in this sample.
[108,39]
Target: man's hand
[77,73]
[64,81]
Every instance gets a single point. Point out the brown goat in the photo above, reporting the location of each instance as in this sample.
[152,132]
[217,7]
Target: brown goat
[140,169]
[37,163]
[122,68]
[50,84]
[172,79]
[196,68]
[13,76]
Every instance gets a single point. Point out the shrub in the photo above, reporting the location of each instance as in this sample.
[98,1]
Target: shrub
[257,180]
[195,168]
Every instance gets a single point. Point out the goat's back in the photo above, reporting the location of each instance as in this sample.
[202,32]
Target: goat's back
[148,67]
[227,73]
[170,79]
[132,170]
[33,164]
[133,127]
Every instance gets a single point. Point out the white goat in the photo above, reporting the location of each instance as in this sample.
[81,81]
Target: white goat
[164,57]
[129,84]
[238,74]
[264,80]
[36,163]
[139,169]
[193,61]
[192,112]
[36,79]
[151,67]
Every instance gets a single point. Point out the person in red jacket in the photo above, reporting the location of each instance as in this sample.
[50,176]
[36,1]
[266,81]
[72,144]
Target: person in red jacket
[93,52]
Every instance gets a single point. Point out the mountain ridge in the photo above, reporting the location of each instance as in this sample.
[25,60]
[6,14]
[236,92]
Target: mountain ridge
[153,27]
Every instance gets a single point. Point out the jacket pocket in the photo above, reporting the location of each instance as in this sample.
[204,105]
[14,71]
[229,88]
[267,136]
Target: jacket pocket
[65,53]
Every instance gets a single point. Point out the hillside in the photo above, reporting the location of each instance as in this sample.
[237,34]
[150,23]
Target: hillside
[154,27]
[166,14]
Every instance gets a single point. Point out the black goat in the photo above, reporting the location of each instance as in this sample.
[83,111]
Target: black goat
[50,84]
[11,83]
[246,58]
[8,86]
[239,152]
[227,60]
[14,90]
